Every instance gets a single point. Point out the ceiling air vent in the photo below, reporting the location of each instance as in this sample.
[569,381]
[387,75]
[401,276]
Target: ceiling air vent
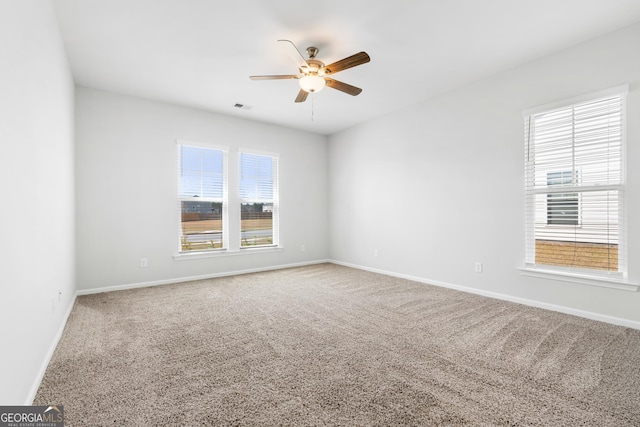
[243,106]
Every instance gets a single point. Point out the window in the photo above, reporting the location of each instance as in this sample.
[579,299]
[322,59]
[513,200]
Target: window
[574,185]
[202,197]
[258,193]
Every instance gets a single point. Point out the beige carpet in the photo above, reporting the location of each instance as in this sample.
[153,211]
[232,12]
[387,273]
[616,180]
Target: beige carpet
[330,345]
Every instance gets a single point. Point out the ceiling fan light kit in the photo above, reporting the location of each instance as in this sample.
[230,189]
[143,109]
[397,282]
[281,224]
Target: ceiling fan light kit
[312,83]
[313,74]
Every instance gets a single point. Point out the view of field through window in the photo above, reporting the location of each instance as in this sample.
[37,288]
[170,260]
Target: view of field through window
[201,225]
[256,224]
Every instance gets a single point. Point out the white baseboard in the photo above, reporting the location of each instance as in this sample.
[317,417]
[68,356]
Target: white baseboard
[191,278]
[533,303]
[47,359]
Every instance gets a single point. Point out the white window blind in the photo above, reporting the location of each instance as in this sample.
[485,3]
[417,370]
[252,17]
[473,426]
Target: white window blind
[574,186]
[258,194]
[202,178]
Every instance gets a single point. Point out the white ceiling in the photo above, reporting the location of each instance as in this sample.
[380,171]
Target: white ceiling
[200,53]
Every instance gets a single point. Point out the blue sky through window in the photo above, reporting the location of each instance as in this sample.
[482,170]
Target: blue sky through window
[256,177]
[201,172]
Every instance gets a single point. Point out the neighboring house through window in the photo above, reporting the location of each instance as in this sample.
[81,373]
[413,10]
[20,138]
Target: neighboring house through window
[562,208]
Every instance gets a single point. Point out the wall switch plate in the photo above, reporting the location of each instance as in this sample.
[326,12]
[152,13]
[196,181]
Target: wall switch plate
[143,263]
[303,248]
[375,252]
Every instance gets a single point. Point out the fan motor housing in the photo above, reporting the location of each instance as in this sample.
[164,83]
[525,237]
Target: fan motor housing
[315,65]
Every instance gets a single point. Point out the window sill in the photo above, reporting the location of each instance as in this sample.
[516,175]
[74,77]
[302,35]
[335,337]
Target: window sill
[585,279]
[183,256]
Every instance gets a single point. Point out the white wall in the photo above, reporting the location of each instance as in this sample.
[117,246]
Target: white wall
[439,186]
[126,189]
[36,175]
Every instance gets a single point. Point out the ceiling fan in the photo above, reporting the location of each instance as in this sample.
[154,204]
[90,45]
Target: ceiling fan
[314,75]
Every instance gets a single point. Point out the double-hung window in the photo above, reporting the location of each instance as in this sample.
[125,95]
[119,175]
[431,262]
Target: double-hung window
[202,194]
[258,194]
[574,185]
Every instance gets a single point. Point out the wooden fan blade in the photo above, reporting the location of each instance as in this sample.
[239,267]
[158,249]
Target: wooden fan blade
[275,77]
[294,54]
[351,61]
[343,87]
[302,96]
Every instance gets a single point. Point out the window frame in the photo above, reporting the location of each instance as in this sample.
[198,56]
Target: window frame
[612,279]
[274,200]
[224,200]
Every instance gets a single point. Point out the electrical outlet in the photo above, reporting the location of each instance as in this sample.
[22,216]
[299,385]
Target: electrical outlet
[143,263]
[478,267]
[375,253]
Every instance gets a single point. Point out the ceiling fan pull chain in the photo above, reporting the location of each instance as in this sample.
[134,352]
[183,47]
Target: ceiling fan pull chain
[312,103]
